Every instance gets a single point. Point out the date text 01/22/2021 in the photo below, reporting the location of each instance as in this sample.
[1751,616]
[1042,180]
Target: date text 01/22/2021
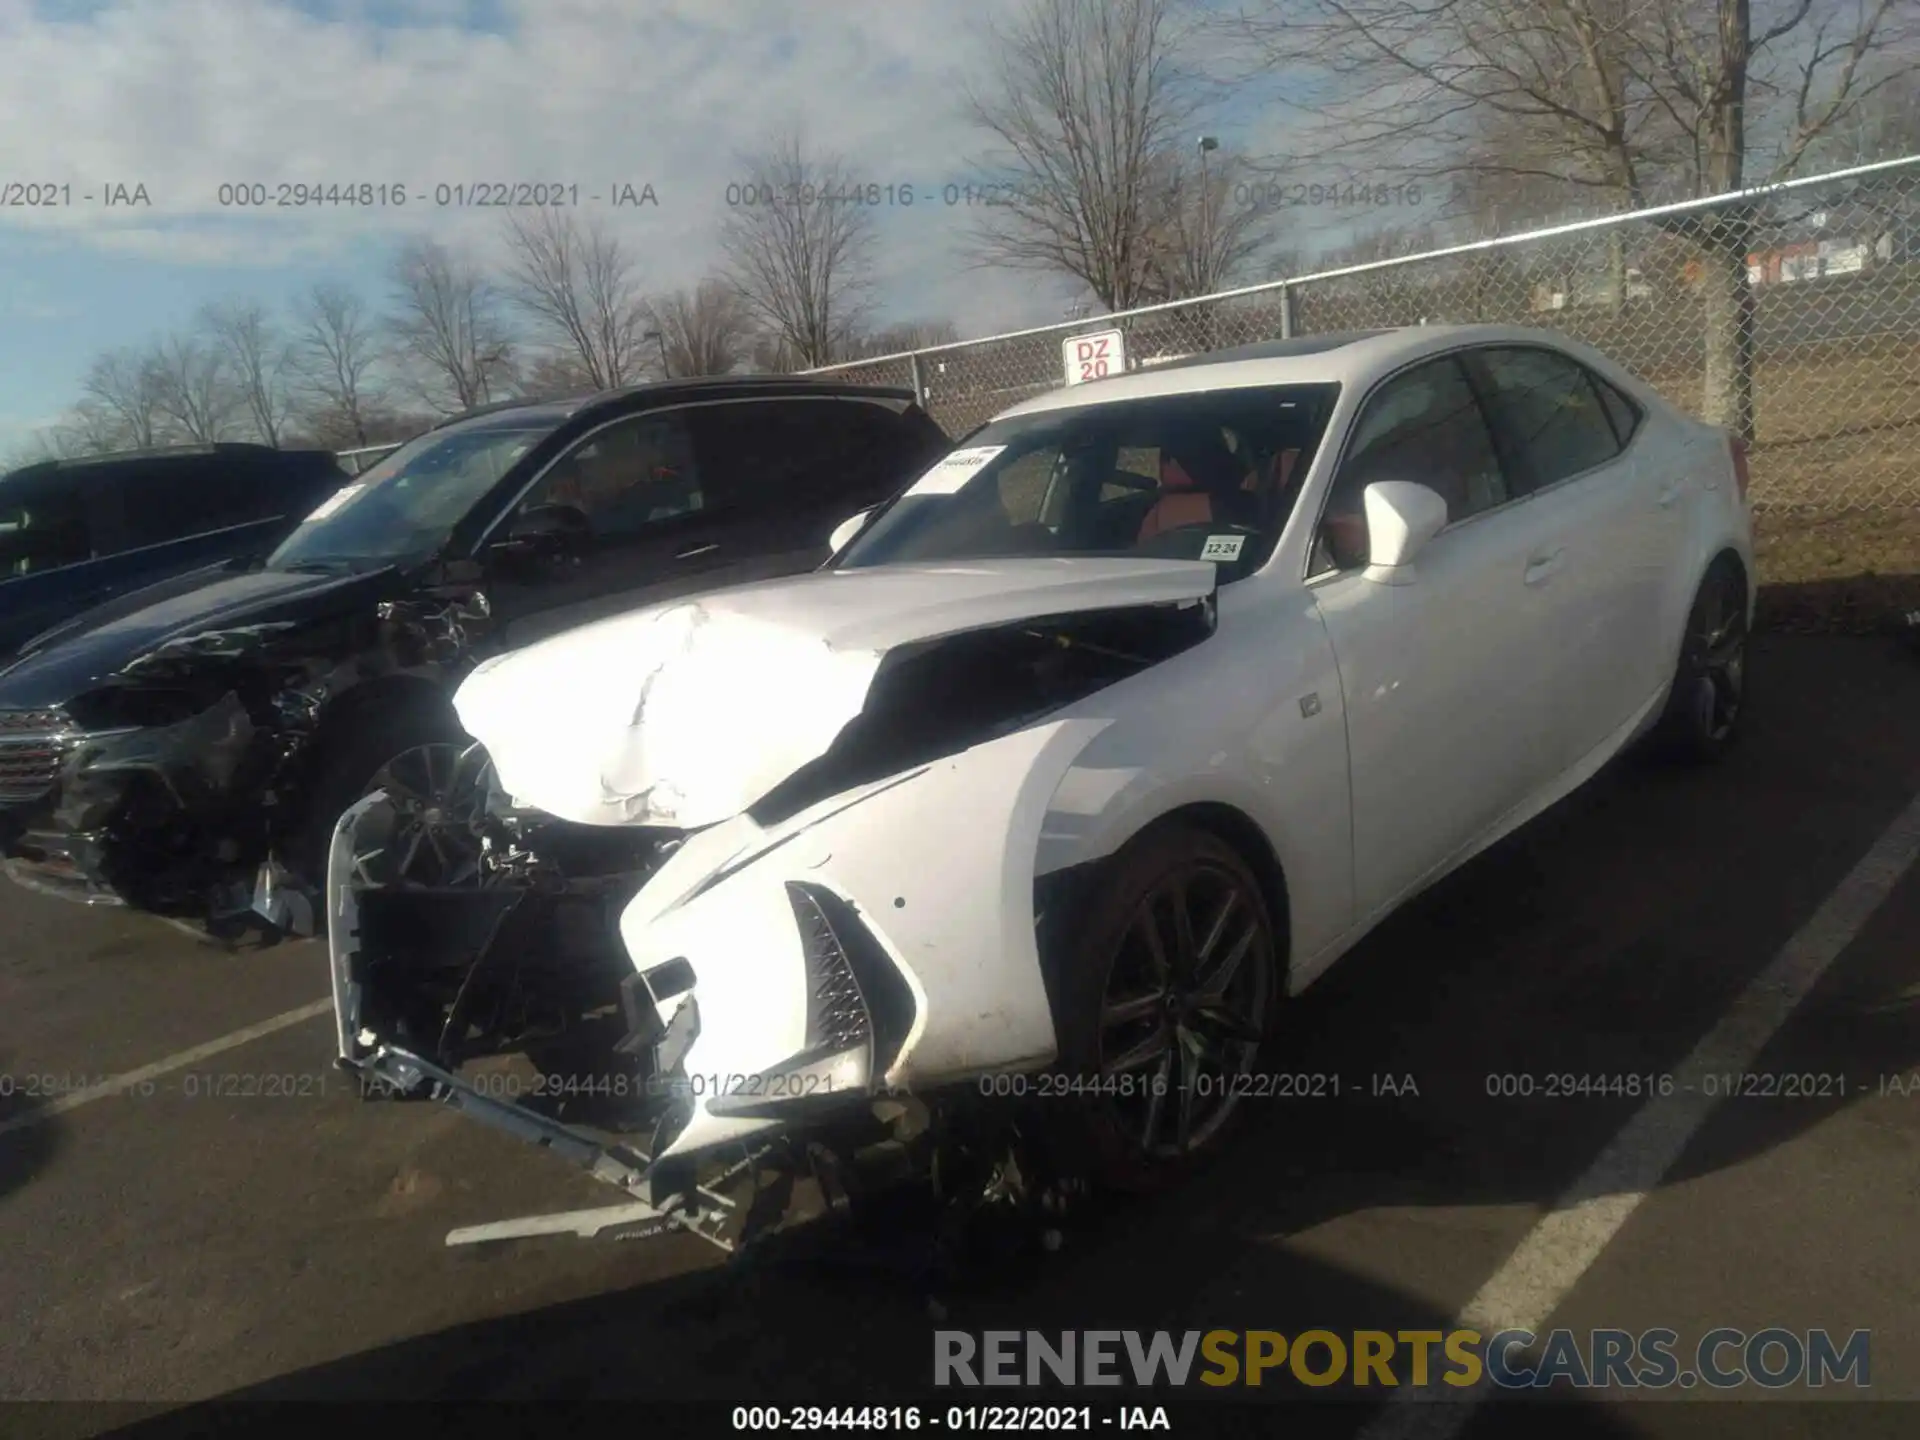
[1284,1085]
[896,195]
[901,1419]
[460,195]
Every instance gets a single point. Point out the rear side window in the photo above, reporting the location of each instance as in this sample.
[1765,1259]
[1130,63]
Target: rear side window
[1550,409]
[172,499]
[764,455]
[628,478]
[43,532]
[1624,414]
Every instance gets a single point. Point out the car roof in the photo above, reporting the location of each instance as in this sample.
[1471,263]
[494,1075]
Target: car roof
[1348,357]
[77,465]
[546,414]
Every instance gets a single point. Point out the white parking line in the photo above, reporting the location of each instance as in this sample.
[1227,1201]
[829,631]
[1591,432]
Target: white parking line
[115,1084]
[1529,1287]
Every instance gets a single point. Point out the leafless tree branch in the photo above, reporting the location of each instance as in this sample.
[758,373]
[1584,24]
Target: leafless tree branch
[707,330]
[447,328]
[335,354]
[575,281]
[801,258]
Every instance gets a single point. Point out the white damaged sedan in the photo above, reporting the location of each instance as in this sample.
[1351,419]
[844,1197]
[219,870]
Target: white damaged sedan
[1106,736]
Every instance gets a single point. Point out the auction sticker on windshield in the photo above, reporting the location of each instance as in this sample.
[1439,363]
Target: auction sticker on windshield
[334,501]
[954,471]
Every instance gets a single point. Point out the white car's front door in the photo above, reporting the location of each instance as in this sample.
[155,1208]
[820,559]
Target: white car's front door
[1445,708]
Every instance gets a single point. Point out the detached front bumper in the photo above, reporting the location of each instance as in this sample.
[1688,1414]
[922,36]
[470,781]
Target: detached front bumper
[818,984]
[378,989]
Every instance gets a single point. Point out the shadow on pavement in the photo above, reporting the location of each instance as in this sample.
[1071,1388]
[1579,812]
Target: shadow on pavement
[29,1139]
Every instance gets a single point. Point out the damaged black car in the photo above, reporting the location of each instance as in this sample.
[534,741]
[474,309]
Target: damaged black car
[186,749]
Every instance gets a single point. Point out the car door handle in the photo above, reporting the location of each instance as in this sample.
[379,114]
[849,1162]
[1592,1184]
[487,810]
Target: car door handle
[1542,568]
[697,550]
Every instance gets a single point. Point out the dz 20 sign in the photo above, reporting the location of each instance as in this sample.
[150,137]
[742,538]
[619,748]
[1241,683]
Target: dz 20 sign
[1092,357]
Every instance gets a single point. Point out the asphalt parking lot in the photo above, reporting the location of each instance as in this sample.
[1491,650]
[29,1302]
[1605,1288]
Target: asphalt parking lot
[196,1242]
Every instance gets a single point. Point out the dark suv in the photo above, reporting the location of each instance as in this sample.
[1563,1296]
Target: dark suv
[76,532]
[186,749]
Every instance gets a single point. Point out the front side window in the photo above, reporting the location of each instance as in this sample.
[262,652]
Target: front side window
[1188,477]
[1547,404]
[43,533]
[408,504]
[627,478]
[1425,426]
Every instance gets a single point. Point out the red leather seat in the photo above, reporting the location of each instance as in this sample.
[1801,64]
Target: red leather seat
[1181,502]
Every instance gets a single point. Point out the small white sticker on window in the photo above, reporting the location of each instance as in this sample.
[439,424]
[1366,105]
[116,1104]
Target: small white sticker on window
[1222,547]
[334,501]
[954,471]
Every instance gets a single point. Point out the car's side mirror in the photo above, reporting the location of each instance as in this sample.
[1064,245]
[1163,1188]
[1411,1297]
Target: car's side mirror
[844,532]
[1401,518]
[545,534]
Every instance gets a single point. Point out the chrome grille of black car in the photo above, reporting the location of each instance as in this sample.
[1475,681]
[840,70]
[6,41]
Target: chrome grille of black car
[32,744]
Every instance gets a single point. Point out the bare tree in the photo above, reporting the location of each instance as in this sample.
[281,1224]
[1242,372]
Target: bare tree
[707,330]
[335,355]
[1087,108]
[258,361]
[774,355]
[122,400]
[801,259]
[1627,101]
[576,283]
[197,393]
[556,375]
[447,329]
[90,428]
[1208,232]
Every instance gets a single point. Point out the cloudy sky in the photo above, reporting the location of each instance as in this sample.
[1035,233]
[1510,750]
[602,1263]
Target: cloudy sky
[183,96]
[176,99]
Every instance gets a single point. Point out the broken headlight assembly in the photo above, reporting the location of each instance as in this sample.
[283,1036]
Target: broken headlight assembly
[859,1013]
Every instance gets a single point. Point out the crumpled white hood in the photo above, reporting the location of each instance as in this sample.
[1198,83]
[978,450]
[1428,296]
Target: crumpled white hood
[687,713]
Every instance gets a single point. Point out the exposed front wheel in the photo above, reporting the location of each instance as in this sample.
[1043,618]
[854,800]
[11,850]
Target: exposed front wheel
[424,835]
[1171,993]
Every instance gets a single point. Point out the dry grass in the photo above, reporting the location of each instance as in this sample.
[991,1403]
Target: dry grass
[1836,482]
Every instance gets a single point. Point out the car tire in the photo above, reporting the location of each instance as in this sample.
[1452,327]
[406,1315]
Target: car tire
[1707,699]
[1098,1108]
[348,770]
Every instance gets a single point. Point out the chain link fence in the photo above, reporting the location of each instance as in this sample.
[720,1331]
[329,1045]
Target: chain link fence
[1789,313]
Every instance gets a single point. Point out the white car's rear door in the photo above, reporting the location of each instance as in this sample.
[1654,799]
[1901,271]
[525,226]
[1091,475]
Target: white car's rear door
[1614,508]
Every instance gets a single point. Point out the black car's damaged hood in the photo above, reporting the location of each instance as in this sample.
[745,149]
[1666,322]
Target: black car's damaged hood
[105,642]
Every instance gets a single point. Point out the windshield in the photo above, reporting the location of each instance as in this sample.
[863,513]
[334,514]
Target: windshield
[1188,477]
[407,504]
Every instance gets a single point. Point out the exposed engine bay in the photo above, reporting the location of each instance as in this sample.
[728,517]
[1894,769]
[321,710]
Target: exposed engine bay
[175,783]
[558,996]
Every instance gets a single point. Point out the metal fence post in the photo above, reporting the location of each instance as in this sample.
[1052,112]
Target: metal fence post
[1286,311]
[919,380]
